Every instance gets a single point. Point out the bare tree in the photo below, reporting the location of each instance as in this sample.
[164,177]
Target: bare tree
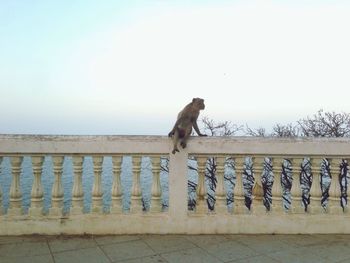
[326,124]
[288,130]
[259,132]
[225,128]
[279,130]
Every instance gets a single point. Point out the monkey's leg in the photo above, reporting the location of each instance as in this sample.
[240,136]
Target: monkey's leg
[183,142]
[175,140]
[172,132]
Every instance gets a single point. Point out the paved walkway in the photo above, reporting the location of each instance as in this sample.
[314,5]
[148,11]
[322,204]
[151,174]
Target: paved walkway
[176,248]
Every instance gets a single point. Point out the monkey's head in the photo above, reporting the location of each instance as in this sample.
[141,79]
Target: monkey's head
[198,103]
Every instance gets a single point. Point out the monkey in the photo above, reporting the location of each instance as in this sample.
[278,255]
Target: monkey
[186,119]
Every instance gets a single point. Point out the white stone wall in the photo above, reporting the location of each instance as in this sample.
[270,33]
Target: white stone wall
[177,219]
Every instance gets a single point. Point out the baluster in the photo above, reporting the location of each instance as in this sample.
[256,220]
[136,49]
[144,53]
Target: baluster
[296,187]
[136,198]
[239,205]
[97,187]
[36,206]
[156,201]
[315,191]
[117,205]
[258,206]
[201,201]
[346,208]
[334,206]
[77,192]
[220,192]
[1,208]
[277,200]
[15,191]
[57,190]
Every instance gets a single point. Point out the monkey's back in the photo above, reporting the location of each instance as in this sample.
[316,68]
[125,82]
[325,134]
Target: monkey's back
[187,116]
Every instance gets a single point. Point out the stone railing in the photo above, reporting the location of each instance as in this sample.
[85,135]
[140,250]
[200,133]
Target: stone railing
[176,217]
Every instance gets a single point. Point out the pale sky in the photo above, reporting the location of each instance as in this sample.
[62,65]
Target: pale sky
[128,67]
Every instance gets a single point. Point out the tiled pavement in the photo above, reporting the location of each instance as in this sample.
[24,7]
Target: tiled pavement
[176,248]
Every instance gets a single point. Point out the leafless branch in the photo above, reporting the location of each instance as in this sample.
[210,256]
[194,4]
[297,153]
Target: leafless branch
[326,124]
[225,128]
[259,132]
[288,130]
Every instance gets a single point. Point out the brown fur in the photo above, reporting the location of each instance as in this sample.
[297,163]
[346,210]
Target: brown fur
[186,119]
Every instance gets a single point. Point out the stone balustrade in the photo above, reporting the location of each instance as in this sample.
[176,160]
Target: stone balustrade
[261,215]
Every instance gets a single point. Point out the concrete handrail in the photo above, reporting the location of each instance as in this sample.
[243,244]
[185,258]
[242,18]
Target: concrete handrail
[177,219]
[103,144]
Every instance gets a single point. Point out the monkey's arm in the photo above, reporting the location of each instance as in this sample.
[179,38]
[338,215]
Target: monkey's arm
[195,126]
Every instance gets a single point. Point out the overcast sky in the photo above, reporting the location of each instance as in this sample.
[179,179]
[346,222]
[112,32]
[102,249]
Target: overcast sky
[128,67]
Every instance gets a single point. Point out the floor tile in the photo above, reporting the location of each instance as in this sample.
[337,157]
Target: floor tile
[104,240]
[19,239]
[30,259]
[234,236]
[298,255]
[257,259]
[86,255]
[24,249]
[264,243]
[332,252]
[70,243]
[302,240]
[231,250]
[176,248]
[344,261]
[127,250]
[168,243]
[150,259]
[206,240]
[193,255]
[332,238]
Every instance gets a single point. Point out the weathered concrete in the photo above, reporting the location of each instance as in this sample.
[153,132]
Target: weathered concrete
[164,223]
[176,220]
[67,144]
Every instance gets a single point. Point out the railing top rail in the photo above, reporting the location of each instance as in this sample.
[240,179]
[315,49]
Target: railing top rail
[126,144]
